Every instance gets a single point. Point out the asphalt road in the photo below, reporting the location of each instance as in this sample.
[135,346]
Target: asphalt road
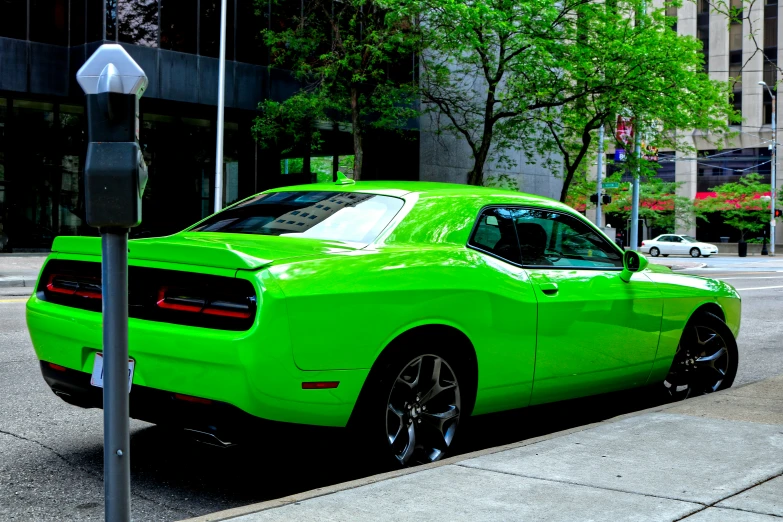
[51,456]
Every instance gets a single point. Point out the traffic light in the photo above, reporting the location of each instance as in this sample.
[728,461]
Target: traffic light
[594,198]
[778,212]
[606,199]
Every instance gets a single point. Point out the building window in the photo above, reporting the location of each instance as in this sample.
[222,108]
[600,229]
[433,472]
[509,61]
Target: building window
[13,22]
[209,28]
[95,20]
[137,22]
[251,19]
[178,22]
[50,23]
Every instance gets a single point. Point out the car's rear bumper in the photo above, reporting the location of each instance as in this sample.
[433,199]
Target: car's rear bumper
[215,420]
[251,371]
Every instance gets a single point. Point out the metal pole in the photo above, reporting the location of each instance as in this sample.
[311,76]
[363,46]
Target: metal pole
[221,109]
[600,162]
[116,438]
[774,181]
[635,201]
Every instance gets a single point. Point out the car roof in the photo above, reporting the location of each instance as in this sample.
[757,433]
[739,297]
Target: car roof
[427,189]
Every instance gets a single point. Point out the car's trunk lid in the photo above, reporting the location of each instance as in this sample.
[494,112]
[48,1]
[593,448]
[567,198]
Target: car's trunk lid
[231,251]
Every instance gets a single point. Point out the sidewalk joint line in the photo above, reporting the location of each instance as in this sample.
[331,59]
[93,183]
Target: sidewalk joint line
[571,483]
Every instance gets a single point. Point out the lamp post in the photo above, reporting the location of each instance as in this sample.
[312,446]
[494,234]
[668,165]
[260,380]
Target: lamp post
[220,110]
[774,164]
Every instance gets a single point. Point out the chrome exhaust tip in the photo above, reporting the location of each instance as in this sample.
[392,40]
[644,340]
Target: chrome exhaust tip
[208,438]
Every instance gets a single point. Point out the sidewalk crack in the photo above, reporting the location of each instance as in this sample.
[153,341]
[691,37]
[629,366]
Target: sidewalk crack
[94,474]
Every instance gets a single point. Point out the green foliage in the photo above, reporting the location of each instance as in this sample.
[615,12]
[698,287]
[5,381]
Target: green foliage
[342,53]
[632,63]
[541,76]
[503,181]
[287,124]
[659,205]
[737,203]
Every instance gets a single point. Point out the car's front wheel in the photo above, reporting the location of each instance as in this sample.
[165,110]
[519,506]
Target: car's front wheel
[695,252]
[412,412]
[706,358]
[655,252]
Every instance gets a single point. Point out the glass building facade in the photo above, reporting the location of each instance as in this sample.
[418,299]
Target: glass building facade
[43,137]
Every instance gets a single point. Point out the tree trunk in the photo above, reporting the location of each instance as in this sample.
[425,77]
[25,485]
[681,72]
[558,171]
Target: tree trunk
[476,174]
[358,152]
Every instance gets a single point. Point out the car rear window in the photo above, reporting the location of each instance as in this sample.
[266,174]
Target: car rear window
[339,216]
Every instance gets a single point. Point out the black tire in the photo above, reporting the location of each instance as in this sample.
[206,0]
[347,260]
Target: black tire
[665,255]
[655,252]
[394,394]
[706,255]
[695,252]
[706,360]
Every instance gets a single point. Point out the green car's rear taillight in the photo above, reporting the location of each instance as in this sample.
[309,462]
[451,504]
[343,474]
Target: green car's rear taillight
[156,295]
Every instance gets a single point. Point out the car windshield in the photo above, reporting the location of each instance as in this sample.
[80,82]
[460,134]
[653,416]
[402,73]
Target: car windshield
[338,216]
[689,239]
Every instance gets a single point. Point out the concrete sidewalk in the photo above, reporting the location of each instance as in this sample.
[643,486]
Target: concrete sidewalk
[712,458]
[20,270]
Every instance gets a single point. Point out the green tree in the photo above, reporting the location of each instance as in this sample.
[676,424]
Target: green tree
[346,55]
[740,204]
[633,64]
[542,76]
[486,65]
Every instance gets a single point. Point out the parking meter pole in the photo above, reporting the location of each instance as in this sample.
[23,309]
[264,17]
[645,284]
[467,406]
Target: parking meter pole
[116,438]
[599,173]
[114,180]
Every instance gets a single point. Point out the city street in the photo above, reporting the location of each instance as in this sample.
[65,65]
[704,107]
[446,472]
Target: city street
[51,453]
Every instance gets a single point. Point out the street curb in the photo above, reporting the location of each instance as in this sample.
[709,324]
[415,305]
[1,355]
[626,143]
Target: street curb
[229,514]
[17,281]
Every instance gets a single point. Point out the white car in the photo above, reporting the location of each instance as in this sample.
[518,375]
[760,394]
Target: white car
[666,244]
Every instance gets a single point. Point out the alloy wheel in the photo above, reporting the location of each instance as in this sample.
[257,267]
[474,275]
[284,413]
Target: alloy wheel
[700,365]
[654,251]
[422,411]
[695,252]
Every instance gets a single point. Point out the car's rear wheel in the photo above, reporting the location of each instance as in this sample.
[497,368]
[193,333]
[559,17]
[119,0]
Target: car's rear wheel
[695,252]
[411,413]
[655,252]
[706,358]
[665,255]
[706,255]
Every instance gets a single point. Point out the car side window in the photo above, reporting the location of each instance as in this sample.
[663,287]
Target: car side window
[675,239]
[664,239]
[494,233]
[548,238]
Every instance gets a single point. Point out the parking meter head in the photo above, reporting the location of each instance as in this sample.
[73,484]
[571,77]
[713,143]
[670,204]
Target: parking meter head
[115,173]
[124,77]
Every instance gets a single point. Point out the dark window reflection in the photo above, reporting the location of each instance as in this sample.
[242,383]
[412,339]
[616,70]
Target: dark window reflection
[95,20]
[13,21]
[78,15]
[137,22]
[111,19]
[50,23]
[209,23]
[178,25]
[252,18]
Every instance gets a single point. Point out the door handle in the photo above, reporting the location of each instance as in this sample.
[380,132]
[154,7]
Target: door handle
[548,288]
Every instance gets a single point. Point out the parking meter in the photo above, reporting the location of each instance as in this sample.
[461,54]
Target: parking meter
[114,180]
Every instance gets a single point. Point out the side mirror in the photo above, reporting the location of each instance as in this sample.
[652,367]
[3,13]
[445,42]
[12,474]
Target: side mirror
[632,262]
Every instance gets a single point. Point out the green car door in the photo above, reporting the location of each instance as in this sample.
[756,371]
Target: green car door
[596,333]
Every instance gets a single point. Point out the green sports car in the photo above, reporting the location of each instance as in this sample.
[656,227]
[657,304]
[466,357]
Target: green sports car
[392,308]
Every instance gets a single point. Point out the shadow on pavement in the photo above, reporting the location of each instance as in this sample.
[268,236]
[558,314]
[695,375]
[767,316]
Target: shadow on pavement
[193,477]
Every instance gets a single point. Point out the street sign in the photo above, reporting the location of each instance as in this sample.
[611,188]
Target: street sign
[611,185]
